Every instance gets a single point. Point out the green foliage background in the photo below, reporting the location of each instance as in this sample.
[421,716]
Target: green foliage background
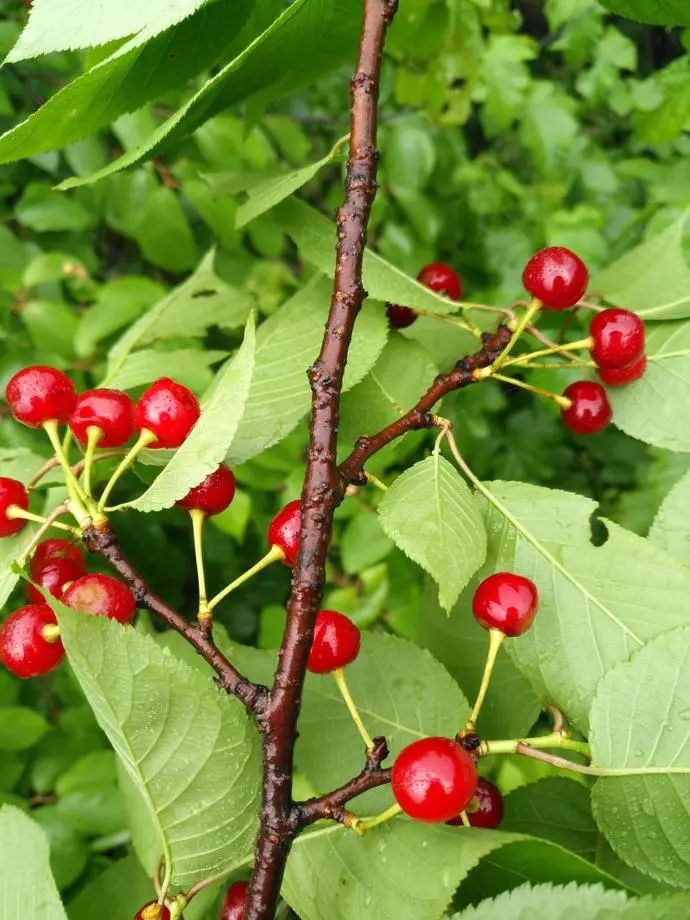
[505,126]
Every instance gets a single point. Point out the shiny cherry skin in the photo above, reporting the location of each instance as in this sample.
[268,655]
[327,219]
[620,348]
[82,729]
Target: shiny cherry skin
[434,779]
[486,807]
[101,595]
[335,644]
[506,602]
[557,277]
[400,317]
[617,338]
[441,278]
[112,411]
[169,410]
[283,531]
[24,650]
[620,376]
[153,911]
[234,902]
[52,549]
[589,410]
[213,495]
[53,576]
[40,394]
[12,492]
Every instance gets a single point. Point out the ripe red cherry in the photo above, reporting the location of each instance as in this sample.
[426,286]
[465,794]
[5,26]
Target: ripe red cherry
[400,317]
[557,277]
[169,410]
[52,549]
[433,779]
[506,602]
[234,902]
[618,338]
[40,394]
[441,278]
[486,807]
[619,376]
[53,576]
[23,647]
[153,911]
[112,411]
[335,644]
[12,492]
[283,531]
[589,409]
[103,596]
[213,495]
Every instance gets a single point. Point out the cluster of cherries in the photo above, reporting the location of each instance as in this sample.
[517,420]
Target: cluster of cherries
[558,279]
[232,907]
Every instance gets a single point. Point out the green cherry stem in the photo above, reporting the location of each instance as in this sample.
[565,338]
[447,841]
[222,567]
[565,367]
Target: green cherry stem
[561,401]
[550,741]
[465,325]
[145,438]
[465,820]
[580,345]
[375,481]
[77,495]
[14,512]
[525,320]
[94,435]
[275,554]
[363,825]
[496,638]
[341,682]
[198,517]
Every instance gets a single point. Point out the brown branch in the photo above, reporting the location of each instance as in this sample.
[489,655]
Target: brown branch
[102,540]
[322,485]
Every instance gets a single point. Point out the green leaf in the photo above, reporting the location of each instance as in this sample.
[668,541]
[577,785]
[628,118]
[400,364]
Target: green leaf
[653,279]
[188,366]
[27,888]
[597,605]
[363,543]
[314,235]
[164,235]
[211,437]
[408,869]
[656,12]
[286,344]
[44,210]
[431,515]
[188,750]
[649,408]
[323,30]
[400,691]
[671,527]
[639,722]
[562,902]
[20,728]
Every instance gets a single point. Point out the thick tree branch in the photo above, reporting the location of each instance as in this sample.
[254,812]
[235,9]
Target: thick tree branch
[322,492]
[102,540]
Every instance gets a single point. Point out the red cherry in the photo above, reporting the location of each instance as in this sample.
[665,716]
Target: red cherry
[283,531]
[153,911]
[433,779]
[213,495]
[619,376]
[169,410]
[506,602]
[234,902]
[12,492]
[23,646]
[441,278]
[618,338]
[400,317]
[110,410]
[557,277]
[486,807]
[335,644]
[589,409]
[40,394]
[53,549]
[103,596]
[53,576]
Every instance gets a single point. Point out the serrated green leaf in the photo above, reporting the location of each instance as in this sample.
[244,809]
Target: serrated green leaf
[212,436]
[189,366]
[639,721]
[286,344]
[188,749]
[429,512]
[652,408]
[27,889]
[656,12]
[671,527]
[653,279]
[598,604]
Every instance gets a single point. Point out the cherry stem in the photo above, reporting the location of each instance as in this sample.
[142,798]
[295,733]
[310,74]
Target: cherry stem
[553,350]
[525,320]
[496,638]
[74,489]
[561,401]
[465,820]
[341,682]
[375,481]
[145,438]
[552,740]
[198,517]
[46,525]
[362,825]
[275,554]
[94,434]
[14,512]
[466,325]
